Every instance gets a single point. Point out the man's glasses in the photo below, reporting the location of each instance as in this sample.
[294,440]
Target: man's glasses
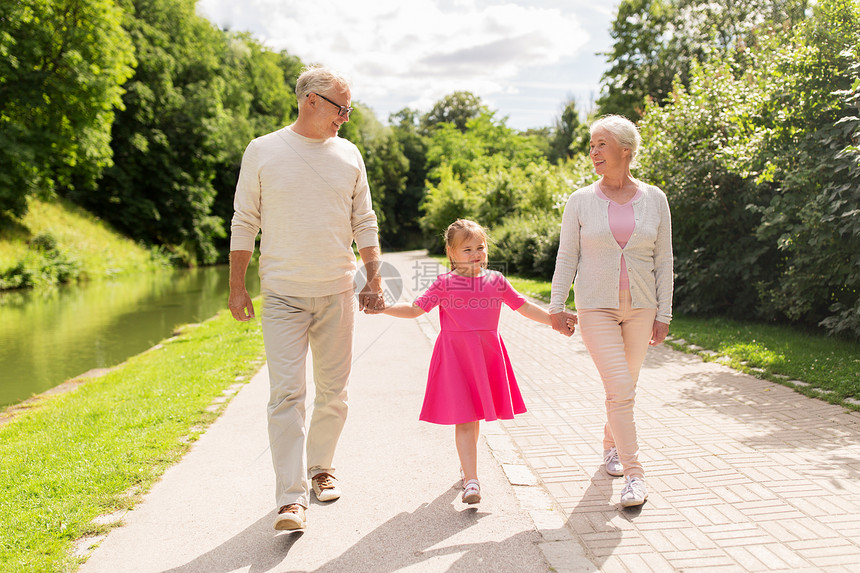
[344,111]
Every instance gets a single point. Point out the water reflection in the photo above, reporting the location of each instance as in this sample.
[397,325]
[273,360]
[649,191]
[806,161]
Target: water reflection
[48,336]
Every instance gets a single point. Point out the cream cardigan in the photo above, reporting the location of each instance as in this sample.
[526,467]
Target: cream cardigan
[589,253]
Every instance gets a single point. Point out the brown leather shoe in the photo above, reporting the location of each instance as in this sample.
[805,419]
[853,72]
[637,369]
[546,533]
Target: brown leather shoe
[325,487]
[290,517]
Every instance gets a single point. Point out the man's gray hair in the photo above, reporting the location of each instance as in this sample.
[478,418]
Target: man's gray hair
[316,79]
[623,130]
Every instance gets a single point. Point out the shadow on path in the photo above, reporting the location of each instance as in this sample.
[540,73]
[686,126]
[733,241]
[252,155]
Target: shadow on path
[406,540]
[254,547]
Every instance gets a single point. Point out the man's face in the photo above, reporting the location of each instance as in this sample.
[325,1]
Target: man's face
[327,116]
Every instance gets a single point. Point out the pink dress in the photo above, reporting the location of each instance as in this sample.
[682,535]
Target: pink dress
[470,374]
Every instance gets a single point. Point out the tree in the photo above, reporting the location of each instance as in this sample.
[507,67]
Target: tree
[760,161]
[196,99]
[658,40]
[570,135]
[475,173]
[62,67]
[405,126]
[456,108]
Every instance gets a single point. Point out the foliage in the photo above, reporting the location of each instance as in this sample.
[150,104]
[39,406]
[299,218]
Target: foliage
[456,108]
[759,161]
[94,451]
[501,179]
[45,264]
[197,97]
[477,173]
[570,136]
[657,41]
[405,126]
[813,159]
[526,244]
[62,65]
[57,242]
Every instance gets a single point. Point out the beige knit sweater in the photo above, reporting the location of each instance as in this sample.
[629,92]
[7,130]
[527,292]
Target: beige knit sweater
[589,255]
[311,199]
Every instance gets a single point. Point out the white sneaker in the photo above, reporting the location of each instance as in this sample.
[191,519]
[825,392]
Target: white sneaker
[291,517]
[634,492]
[325,487]
[471,492]
[611,463]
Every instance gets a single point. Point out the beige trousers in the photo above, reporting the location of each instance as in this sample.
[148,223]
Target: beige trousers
[617,340]
[291,325]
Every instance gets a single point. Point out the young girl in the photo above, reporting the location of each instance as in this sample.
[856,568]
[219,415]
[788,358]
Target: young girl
[470,376]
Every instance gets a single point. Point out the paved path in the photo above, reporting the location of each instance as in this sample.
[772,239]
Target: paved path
[743,474]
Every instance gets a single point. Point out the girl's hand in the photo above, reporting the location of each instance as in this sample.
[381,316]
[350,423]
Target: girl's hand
[561,322]
[572,320]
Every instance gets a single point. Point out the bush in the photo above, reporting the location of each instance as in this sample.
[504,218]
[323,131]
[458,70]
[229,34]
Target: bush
[760,162]
[45,264]
[527,245]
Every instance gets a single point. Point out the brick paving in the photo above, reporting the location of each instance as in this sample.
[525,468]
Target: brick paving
[743,474]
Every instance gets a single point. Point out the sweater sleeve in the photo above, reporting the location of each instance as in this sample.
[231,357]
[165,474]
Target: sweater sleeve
[246,203]
[365,228]
[664,262]
[567,259]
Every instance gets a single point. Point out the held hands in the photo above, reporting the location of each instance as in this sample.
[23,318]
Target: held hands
[371,301]
[564,322]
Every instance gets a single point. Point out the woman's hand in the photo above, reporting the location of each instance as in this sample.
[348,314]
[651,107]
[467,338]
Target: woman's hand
[564,322]
[658,333]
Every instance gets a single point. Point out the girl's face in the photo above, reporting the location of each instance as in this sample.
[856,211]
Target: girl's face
[469,255]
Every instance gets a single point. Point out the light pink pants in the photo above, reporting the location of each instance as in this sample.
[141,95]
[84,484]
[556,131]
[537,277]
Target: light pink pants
[617,340]
[291,325]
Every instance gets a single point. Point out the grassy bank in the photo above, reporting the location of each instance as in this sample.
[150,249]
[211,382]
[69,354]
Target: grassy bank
[57,242]
[813,363]
[70,457]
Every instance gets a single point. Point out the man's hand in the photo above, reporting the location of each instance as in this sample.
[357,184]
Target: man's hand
[658,333]
[240,304]
[371,301]
[564,322]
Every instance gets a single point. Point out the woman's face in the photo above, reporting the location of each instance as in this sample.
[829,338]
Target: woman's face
[607,155]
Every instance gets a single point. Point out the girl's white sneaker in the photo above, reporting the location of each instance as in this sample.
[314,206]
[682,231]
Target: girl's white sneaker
[634,492]
[471,492]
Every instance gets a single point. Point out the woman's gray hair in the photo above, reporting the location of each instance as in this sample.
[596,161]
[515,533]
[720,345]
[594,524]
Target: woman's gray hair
[623,130]
[315,79]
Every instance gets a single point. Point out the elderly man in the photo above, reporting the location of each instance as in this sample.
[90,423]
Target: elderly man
[307,190]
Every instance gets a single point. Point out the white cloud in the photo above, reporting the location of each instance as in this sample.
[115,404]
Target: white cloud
[409,54]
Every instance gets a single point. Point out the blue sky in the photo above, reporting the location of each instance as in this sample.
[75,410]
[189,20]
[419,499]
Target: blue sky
[524,59]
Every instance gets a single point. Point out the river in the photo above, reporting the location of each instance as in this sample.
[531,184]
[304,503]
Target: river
[50,335]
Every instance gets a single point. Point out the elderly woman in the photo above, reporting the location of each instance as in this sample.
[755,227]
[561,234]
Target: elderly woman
[616,242]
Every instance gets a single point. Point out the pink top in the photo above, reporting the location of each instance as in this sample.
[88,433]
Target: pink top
[621,223]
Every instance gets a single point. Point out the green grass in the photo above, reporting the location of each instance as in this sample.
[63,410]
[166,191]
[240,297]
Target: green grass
[779,353]
[826,367]
[69,458]
[83,242]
